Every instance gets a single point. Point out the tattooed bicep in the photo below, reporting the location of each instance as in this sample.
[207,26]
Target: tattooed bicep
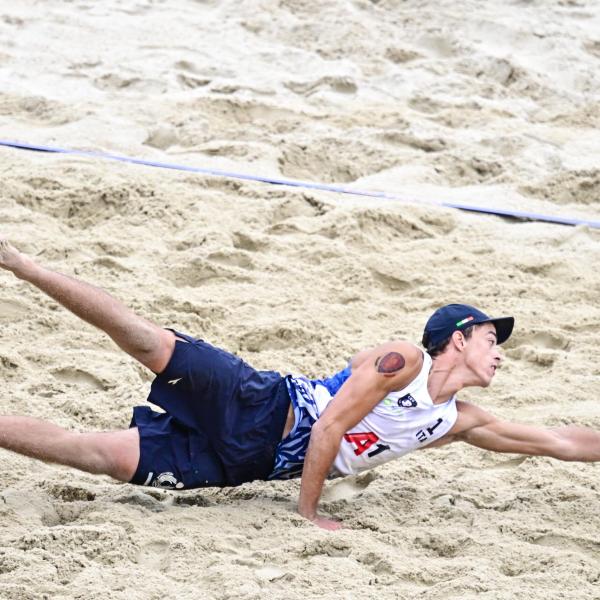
[390,363]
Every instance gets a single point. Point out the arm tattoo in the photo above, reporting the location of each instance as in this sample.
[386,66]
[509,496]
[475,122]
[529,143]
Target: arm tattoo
[390,363]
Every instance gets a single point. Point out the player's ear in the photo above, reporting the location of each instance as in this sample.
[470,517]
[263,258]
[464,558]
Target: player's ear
[459,341]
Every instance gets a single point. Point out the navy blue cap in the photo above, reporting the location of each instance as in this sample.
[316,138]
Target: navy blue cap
[458,317]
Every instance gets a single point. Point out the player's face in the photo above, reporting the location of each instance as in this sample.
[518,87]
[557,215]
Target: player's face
[482,354]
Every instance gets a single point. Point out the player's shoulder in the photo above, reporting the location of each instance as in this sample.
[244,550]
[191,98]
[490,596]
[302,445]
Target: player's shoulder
[390,357]
[407,349]
[469,417]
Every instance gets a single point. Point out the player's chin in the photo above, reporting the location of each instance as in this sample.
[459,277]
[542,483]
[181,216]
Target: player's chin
[486,381]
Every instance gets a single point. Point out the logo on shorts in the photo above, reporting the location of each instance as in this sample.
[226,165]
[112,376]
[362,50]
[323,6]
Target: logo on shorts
[167,480]
[174,381]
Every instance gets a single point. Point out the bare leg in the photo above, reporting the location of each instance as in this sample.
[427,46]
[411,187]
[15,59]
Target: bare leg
[145,341]
[113,453]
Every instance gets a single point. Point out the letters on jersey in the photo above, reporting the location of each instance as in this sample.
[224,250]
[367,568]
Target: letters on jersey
[403,421]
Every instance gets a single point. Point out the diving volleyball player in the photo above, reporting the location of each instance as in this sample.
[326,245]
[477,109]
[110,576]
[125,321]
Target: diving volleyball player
[226,423]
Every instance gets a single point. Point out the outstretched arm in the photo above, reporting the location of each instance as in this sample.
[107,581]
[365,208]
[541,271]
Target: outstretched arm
[388,367]
[571,443]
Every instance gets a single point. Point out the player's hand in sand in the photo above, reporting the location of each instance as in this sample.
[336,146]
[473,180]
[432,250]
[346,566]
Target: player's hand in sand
[11,259]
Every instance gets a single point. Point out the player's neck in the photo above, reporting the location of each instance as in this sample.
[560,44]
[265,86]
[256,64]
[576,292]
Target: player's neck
[445,379]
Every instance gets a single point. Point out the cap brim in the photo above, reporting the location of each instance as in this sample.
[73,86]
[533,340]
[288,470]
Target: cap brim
[504,327]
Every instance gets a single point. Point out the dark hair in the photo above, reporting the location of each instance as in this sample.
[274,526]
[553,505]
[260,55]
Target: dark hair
[435,350]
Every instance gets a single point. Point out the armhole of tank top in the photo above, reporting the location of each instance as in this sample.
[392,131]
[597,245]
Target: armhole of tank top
[415,383]
[452,406]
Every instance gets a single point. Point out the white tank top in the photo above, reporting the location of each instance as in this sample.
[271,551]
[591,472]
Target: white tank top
[403,421]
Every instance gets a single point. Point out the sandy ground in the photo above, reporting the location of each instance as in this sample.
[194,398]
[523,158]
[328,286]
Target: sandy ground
[493,103]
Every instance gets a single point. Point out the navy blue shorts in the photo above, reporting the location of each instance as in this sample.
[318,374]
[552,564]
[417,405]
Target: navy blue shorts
[222,422]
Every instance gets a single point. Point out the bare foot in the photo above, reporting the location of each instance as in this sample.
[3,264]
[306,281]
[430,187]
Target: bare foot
[12,260]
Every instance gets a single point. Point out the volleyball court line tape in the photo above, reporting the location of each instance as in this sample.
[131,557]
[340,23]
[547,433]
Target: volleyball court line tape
[514,214]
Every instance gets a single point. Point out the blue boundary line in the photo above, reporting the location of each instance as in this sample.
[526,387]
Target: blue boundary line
[514,214]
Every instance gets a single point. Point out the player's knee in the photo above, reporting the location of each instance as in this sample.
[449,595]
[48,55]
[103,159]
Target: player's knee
[115,454]
[122,454]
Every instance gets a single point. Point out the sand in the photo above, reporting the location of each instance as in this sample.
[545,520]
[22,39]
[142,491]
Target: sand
[492,103]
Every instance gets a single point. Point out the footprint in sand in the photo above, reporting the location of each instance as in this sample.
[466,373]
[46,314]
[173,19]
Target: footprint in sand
[551,340]
[199,271]
[541,349]
[232,258]
[79,377]
[569,544]
[111,264]
[275,337]
[35,506]
[64,514]
[535,356]
[37,110]
[162,137]
[248,241]
[155,555]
